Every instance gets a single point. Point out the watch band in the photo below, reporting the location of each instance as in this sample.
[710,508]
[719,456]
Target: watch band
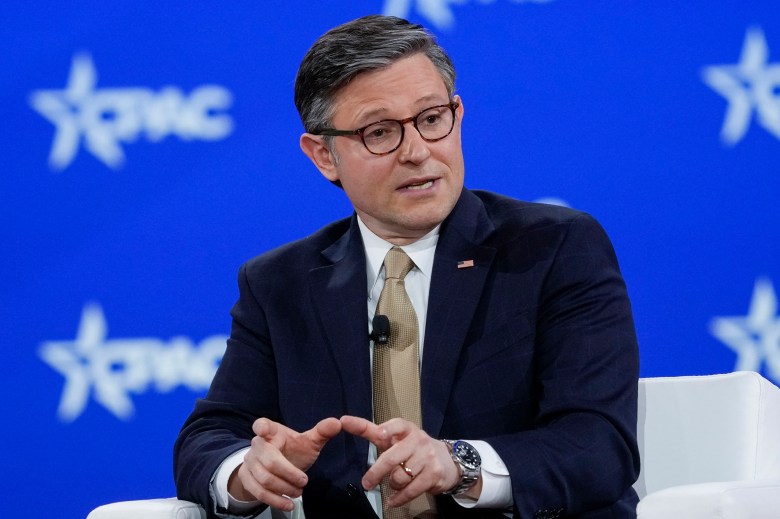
[467,459]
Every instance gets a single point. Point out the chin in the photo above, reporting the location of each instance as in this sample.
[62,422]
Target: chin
[425,222]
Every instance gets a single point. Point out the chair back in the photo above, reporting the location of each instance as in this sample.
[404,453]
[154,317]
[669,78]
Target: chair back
[701,429]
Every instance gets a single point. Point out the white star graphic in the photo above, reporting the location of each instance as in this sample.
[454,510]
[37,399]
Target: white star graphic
[755,338]
[61,108]
[113,369]
[107,117]
[748,85]
[77,361]
[100,115]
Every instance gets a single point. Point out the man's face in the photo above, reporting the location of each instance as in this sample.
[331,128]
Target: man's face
[402,195]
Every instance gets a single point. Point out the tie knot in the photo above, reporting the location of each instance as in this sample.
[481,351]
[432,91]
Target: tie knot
[397,263]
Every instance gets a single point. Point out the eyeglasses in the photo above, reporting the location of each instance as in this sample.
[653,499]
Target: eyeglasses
[385,136]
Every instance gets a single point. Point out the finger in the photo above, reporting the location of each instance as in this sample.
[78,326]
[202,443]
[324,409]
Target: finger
[271,431]
[386,464]
[383,435]
[264,454]
[401,477]
[262,426]
[408,493]
[393,431]
[401,439]
[359,427]
[433,472]
[397,428]
[255,488]
[406,489]
[427,480]
[321,433]
[262,479]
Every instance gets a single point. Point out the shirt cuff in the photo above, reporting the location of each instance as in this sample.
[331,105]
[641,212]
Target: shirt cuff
[496,483]
[219,484]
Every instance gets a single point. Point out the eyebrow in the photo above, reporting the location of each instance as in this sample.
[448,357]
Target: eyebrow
[379,114]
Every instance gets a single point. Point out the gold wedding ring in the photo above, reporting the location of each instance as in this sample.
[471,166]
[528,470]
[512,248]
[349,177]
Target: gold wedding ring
[407,470]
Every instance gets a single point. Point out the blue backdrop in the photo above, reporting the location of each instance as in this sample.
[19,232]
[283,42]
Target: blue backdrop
[148,148]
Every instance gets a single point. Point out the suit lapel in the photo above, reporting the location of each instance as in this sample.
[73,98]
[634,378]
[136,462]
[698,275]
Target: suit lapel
[338,295]
[454,295]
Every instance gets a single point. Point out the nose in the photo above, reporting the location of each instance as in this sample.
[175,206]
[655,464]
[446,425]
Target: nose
[413,148]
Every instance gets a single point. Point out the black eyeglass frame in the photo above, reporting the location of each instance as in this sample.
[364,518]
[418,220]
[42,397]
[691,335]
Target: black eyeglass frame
[332,132]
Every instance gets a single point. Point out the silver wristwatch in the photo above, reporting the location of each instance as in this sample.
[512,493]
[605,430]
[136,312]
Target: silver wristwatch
[469,463]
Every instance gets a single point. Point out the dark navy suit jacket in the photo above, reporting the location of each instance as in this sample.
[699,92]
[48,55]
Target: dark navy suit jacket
[532,349]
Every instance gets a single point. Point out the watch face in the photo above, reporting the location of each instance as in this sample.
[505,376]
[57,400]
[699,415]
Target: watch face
[467,454]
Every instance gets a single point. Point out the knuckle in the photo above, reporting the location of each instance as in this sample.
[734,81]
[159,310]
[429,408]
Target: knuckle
[266,479]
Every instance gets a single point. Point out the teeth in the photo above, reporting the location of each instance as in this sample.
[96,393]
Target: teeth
[424,185]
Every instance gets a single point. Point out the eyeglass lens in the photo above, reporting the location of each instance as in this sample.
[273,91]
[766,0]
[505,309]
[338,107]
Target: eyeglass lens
[385,136]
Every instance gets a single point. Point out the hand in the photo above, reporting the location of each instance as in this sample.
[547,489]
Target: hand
[399,441]
[273,468]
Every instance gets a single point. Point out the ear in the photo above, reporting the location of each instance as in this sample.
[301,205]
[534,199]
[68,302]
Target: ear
[459,109]
[314,147]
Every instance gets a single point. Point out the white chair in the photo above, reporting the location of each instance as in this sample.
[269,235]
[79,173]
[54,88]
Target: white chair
[172,508]
[710,448]
[149,509]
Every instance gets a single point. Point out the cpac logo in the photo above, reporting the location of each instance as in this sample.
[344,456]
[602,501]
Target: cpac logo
[438,12]
[755,337]
[112,369]
[752,84]
[106,117]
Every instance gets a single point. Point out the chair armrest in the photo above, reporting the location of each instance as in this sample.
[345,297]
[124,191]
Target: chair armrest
[757,499]
[149,509]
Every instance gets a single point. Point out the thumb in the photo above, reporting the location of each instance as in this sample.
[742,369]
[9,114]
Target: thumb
[321,433]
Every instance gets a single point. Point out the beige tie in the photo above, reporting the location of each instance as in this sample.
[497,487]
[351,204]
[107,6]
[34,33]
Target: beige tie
[396,369]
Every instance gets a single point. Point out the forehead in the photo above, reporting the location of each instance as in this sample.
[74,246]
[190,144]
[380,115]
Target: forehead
[398,90]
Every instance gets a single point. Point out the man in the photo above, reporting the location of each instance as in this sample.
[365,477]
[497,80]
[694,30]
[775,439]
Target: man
[526,351]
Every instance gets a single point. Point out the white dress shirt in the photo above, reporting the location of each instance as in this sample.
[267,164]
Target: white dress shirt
[496,484]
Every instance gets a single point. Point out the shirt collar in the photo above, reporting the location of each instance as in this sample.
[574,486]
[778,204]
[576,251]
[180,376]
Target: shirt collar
[421,251]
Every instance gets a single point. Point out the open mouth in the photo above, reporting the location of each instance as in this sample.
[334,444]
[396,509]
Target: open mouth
[420,185]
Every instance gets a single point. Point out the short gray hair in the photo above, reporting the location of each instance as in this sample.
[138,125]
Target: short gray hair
[369,43]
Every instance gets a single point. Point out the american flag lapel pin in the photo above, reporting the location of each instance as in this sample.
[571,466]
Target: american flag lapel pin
[464,264]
